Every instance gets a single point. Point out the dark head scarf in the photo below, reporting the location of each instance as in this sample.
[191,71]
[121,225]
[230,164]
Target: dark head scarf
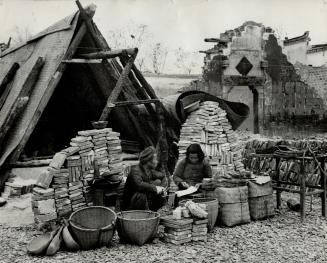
[147,154]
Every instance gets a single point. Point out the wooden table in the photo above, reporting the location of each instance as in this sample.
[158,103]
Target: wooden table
[317,189]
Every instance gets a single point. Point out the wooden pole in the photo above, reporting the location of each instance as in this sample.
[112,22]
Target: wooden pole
[302,190]
[278,192]
[162,140]
[118,88]
[108,54]
[323,186]
[12,117]
[26,90]
[4,87]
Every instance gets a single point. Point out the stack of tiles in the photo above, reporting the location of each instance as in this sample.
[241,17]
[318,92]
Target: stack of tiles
[60,185]
[177,231]
[74,165]
[209,127]
[199,230]
[76,195]
[83,141]
[43,205]
[115,151]
[87,175]
[100,150]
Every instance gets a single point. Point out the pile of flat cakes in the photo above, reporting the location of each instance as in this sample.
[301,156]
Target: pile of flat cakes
[115,153]
[76,195]
[177,231]
[180,231]
[99,141]
[43,204]
[209,127]
[60,185]
[200,230]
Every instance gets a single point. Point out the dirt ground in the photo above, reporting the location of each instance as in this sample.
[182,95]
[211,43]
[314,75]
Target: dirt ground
[283,238]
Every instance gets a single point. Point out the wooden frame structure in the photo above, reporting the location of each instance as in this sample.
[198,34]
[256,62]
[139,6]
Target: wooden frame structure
[317,189]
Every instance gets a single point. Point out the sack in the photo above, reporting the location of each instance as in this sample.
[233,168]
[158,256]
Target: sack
[262,207]
[234,207]
[261,200]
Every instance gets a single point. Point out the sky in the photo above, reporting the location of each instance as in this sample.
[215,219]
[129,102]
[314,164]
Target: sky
[175,23]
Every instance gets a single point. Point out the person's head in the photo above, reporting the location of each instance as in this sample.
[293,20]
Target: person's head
[194,153]
[148,157]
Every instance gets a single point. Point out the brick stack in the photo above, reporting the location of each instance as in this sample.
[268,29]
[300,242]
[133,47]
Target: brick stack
[43,205]
[177,231]
[200,230]
[72,169]
[209,127]
[76,195]
[60,185]
[115,151]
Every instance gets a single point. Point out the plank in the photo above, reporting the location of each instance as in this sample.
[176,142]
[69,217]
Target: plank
[4,87]
[32,163]
[82,60]
[14,113]
[22,98]
[108,54]
[118,88]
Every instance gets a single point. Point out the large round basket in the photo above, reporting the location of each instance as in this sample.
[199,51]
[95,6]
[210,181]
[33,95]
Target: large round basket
[212,207]
[137,226]
[93,226]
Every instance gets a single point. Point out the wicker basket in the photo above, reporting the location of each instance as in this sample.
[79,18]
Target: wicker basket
[93,226]
[212,209]
[137,226]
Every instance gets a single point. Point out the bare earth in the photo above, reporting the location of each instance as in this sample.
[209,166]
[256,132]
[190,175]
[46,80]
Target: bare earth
[280,239]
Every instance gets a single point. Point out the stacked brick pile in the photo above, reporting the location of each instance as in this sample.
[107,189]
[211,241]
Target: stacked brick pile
[60,185]
[72,170]
[199,230]
[180,231]
[209,127]
[43,205]
[177,231]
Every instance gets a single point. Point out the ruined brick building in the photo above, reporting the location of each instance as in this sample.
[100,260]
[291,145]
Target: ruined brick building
[250,65]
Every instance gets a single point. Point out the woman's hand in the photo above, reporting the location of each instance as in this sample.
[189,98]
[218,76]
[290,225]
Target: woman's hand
[185,185]
[160,190]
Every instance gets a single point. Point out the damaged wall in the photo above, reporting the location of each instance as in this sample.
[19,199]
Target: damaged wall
[285,98]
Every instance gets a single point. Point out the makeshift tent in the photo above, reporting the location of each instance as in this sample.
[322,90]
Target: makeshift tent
[55,85]
[47,95]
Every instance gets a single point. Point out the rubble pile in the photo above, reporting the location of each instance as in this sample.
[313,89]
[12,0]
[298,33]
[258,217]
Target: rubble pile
[209,127]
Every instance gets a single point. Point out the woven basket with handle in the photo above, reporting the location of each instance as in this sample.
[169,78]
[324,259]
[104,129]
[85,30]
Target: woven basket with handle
[137,226]
[93,226]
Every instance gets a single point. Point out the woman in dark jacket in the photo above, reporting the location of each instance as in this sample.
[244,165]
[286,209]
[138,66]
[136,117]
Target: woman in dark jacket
[193,168]
[145,188]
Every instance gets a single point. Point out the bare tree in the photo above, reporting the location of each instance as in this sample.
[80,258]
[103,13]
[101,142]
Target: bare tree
[132,35]
[186,61]
[158,57]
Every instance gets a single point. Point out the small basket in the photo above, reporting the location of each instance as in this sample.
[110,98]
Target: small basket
[93,226]
[137,226]
[99,124]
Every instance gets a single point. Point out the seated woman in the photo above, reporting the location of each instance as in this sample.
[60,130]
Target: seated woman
[145,187]
[193,168]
